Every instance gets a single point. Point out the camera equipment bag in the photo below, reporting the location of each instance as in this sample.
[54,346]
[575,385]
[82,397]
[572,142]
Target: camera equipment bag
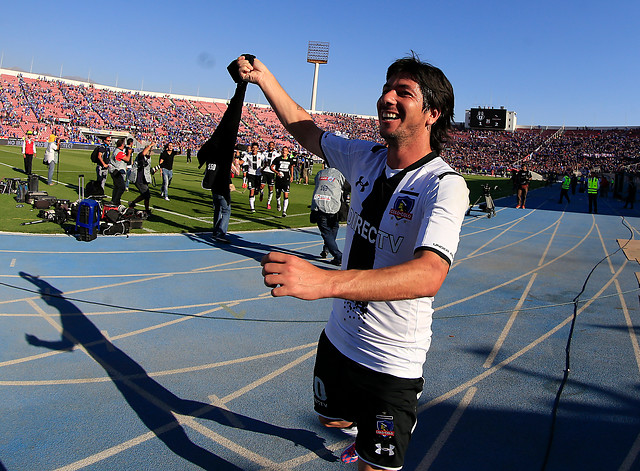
[32,196]
[44,202]
[93,188]
[22,188]
[115,228]
[94,155]
[33,182]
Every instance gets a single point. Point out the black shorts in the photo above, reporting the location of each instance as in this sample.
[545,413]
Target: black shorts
[267,178]
[254,182]
[282,184]
[383,406]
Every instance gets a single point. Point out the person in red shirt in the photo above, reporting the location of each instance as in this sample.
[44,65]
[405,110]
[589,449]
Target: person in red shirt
[118,169]
[28,151]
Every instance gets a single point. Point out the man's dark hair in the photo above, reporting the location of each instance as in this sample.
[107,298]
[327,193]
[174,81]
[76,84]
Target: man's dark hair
[437,93]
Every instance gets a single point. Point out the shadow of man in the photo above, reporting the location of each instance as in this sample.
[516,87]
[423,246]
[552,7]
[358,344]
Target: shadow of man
[249,249]
[152,402]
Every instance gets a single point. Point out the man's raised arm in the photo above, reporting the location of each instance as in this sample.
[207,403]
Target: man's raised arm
[292,116]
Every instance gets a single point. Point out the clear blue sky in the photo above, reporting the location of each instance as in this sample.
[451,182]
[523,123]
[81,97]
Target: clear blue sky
[575,63]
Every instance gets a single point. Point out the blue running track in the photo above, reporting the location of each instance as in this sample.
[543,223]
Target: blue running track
[167,351]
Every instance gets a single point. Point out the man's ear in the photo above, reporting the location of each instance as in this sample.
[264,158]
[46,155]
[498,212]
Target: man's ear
[432,116]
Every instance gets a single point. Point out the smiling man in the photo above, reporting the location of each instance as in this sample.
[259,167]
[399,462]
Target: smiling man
[407,207]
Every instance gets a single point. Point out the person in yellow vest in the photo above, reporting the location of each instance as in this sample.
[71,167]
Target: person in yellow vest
[593,185]
[28,151]
[564,190]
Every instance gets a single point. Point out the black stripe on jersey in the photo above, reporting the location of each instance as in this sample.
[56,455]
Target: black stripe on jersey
[253,161]
[362,251]
[448,173]
[407,192]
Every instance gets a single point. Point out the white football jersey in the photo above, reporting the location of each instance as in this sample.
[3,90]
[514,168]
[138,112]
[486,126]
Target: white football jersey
[424,211]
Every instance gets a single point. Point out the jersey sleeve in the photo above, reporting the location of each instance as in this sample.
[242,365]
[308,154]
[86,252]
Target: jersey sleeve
[349,154]
[440,229]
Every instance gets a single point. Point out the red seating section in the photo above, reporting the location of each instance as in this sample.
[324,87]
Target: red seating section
[47,106]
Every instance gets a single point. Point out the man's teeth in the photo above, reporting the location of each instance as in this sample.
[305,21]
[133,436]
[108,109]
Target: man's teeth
[387,115]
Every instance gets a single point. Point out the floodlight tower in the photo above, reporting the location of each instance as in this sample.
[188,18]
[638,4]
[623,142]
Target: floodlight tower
[318,53]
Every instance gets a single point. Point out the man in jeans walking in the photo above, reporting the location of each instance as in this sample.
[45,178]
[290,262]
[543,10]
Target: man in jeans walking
[166,164]
[327,198]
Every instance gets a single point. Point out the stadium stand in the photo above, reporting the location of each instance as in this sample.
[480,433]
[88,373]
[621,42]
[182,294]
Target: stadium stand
[46,105]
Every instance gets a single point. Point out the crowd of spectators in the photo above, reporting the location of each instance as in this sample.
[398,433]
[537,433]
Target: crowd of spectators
[49,106]
[555,151]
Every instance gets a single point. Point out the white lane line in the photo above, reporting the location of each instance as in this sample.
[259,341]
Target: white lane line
[507,328]
[269,377]
[231,417]
[527,348]
[505,331]
[228,444]
[139,331]
[446,432]
[519,277]
[630,325]
[631,456]
[114,450]
[107,341]
[502,247]
[185,420]
[551,239]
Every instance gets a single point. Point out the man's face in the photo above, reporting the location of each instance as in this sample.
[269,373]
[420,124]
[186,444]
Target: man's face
[254,150]
[285,152]
[107,141]
[169,147]
[271,147]
[400,109]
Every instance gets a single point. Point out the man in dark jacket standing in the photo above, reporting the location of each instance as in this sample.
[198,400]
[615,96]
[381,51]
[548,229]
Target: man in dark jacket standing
[103,158]
[523,178]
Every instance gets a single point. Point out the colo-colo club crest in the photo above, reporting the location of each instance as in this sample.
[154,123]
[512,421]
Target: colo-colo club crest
[402,208]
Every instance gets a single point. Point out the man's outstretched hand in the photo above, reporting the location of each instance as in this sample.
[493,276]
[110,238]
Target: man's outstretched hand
[289,275]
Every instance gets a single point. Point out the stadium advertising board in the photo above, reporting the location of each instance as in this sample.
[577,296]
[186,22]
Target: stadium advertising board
[63,145]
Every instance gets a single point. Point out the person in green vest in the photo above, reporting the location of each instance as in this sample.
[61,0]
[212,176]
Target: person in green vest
[593,185]
[564,190]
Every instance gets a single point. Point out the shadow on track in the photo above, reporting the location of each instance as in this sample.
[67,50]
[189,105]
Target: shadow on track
[250,250]
[152,402]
